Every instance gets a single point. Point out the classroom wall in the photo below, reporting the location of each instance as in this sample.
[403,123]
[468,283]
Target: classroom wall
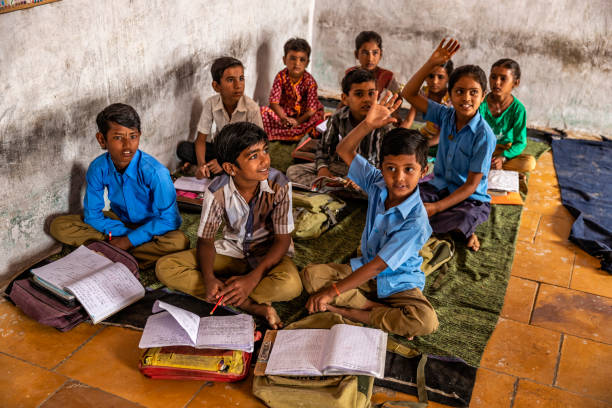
[563,46]
[60,64]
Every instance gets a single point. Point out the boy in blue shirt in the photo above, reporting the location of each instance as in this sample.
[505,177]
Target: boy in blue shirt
[456,199]
[144,217]
[382,288]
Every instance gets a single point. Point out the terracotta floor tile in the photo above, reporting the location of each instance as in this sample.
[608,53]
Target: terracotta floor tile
[222,395]
[29,340]
[77,395]
[588,275]
[553,228]
[382,395]
[532,395]
[29,385]
[492,389]
[520,296]
[529,226]
[573,312]
[549,262]
[110,362]
[586,368]
[523,351]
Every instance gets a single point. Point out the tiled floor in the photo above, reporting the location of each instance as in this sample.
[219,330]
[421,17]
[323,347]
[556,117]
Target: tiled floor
[552,346]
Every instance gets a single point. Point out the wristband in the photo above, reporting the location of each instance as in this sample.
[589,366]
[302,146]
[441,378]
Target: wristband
[336,289]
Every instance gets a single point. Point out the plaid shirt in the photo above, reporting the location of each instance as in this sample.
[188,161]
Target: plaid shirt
[339,126]
[249,227]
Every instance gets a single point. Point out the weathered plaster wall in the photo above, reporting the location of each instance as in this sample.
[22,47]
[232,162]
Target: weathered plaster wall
[564,48]
[60,64]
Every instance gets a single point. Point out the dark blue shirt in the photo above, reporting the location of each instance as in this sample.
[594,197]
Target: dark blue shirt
[143,195]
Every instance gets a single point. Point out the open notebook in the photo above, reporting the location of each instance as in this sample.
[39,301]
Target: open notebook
[178,327]
[343,349]
[191,184]
[500,182]
[102,286]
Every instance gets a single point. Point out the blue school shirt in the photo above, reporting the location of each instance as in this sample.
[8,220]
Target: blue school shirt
[143,194]
[395,235]
[470,149]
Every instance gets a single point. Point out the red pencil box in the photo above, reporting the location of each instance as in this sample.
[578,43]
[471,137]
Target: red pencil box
[189,363]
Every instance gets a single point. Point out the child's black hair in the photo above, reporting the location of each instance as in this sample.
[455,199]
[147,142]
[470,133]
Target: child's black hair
[473,71]
[356,76]
[234,138]
[297,44]
[119,113]
[367,36]
[405,141]
[220,65]
[510,64]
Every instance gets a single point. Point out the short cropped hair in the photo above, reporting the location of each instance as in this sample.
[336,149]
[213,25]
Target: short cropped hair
[119,113]
[367,36]
[405,141]
[510,64]
[356,76]
[221,64]
[297,44]
[234,138]
[473,71]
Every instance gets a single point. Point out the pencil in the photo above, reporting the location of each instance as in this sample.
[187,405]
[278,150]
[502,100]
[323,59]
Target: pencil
[217,304]
[110,236]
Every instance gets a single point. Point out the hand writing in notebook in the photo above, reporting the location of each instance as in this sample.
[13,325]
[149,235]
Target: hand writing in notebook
[213,289]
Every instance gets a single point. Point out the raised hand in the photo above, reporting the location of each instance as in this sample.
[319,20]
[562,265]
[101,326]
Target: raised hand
[444,51]
[379,114]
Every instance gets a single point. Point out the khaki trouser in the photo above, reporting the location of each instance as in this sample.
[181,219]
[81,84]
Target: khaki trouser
[306,173]
[180,271]
[522,163]
[406,313]
[72,230]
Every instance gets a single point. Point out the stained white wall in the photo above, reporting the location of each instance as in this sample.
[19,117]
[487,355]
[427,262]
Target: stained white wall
[60,64]
[564,48]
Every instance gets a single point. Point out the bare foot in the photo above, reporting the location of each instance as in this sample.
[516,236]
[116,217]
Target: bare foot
[263,310]
[473,243]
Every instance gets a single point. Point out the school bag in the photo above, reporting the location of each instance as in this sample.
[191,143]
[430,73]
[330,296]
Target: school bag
[341,391]
[314,213]
[46,308]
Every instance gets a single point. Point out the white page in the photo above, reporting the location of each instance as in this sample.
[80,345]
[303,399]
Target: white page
[355,349]
[74,266]
[190,322]
[503,180]
[322,127]
[162,330]
[107,291]
[227,332]
[191,184]
[297,352]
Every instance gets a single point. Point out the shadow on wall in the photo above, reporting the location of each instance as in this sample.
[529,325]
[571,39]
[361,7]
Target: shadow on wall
[263,84]
[196,111]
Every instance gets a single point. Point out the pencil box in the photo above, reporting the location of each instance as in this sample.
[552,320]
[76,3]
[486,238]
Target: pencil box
[43,306]
[306,149]
[190,363]
[189,201]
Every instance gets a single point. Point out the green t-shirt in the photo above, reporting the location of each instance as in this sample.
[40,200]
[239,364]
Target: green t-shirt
[509,127]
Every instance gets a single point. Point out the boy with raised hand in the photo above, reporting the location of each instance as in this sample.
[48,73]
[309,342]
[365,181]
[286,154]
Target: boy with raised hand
[250,266]
[230,105]
[396,229]
[144,217]
[358,89]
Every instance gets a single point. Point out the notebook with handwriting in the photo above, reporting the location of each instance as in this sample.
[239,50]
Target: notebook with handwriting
[343,349]
[178,327]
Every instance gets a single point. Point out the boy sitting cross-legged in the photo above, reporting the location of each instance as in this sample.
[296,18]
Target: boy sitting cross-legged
[358,89]
[143,216]
[382,288]
[251,265]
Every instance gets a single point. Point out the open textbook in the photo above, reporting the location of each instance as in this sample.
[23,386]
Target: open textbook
[178,327]
[102,286]
[502,182]
[191,184]
[343,349]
